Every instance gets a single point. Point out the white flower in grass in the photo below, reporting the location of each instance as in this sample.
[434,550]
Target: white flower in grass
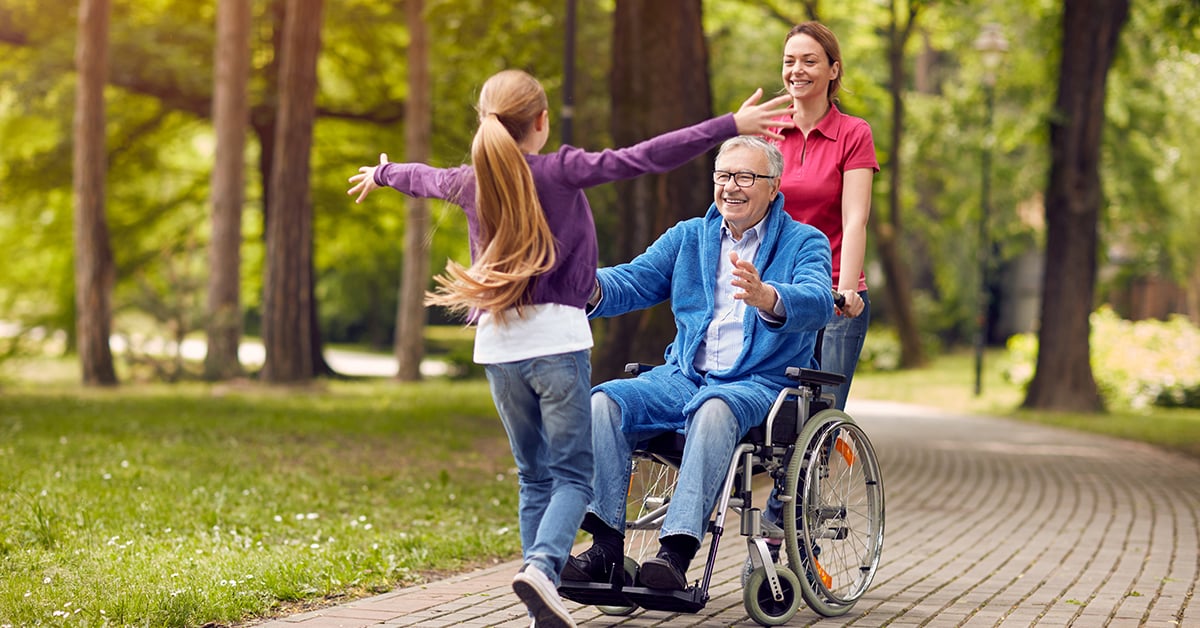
[315,546]
[46,580]
[368,527]
[502,531]
[499,477]
[107,476]
[124,464]
[278,519]
[312,515]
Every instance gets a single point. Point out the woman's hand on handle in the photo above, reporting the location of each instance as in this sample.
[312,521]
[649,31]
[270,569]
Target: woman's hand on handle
[758,119]
[853,305]
[364,181]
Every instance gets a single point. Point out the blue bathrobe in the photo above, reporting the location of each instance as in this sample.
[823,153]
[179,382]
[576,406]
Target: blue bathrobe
[682,266]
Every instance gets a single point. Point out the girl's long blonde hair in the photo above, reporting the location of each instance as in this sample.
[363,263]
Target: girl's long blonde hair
[515,244]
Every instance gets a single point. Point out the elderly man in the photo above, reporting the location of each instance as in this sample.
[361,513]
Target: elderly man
[749,288]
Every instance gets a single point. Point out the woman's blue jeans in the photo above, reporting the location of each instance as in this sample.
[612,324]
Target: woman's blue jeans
[841,344]
[712,433]
[544,405]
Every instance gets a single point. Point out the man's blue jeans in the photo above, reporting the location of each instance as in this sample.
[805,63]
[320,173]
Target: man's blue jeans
[712,433]
[543,403]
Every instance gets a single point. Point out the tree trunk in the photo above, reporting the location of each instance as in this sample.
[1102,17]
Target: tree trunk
[410,312]
[231,114]
[658,48]
[890,237]
[288,297]
[1063,379]
[95,270]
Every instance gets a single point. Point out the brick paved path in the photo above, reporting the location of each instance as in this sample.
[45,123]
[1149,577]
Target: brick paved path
[990,522]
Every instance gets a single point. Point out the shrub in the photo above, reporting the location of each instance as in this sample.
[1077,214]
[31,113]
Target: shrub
[881,350]
[1138,364]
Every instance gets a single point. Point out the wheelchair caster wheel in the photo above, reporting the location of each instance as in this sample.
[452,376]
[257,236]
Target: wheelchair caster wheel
[761,604]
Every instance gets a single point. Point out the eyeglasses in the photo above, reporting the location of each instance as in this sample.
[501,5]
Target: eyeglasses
[741,179]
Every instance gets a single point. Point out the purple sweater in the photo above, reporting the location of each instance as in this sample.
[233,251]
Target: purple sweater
[560,179]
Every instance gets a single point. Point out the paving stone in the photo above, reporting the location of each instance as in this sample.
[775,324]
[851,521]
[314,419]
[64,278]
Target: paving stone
[990,522]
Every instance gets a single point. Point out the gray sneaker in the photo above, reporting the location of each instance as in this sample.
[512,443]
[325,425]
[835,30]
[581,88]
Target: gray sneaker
[541,598]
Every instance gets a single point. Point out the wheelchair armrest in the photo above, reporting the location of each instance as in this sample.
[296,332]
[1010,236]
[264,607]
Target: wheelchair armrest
[636,368]
[812,376]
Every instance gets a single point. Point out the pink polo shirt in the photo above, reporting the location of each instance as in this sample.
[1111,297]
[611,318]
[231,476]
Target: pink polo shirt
[812,174]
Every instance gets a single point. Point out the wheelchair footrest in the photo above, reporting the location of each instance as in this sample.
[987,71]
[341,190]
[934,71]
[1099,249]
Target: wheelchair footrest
[594,593]
[691,600]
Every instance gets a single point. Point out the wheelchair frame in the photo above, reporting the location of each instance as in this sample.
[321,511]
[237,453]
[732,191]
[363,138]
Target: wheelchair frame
[828,479]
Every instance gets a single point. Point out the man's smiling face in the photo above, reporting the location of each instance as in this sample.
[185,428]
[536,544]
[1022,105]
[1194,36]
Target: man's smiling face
[744,207]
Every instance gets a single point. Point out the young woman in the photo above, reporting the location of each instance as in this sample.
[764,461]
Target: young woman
[534,257]
[829,164]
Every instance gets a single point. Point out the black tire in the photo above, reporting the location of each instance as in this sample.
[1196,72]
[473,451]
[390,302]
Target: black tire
[838,527]
[761,604]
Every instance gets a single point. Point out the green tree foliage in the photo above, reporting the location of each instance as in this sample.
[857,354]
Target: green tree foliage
[160,139]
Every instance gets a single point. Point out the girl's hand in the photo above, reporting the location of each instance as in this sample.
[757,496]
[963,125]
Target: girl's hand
[755,119]
[364,181]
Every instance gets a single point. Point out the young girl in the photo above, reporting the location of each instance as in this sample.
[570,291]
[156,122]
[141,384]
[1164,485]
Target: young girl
[534,257]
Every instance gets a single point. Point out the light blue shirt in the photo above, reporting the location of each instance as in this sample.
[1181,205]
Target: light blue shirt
[722,343]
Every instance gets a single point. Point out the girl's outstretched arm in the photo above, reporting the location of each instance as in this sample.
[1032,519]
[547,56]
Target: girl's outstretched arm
[364,181]
[755,119]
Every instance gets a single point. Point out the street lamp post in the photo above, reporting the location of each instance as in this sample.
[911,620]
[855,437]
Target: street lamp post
[991,45]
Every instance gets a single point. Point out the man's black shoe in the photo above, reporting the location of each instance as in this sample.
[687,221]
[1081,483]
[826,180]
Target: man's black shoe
[593,565]
[665,571]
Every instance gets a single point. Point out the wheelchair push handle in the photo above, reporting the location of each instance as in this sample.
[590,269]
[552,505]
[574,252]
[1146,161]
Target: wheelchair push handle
[839,299]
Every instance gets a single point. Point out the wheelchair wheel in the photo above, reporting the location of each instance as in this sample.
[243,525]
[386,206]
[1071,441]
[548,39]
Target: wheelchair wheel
[762,606]
[651,484]
[631,573]
[838,523]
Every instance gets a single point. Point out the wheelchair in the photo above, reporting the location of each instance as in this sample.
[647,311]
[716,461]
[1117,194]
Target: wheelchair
[824,471]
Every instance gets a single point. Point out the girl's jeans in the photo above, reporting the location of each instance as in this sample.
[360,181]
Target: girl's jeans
[544,404]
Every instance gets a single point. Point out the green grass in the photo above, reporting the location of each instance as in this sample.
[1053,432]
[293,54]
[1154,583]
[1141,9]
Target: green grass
[949,382]
[193,504]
